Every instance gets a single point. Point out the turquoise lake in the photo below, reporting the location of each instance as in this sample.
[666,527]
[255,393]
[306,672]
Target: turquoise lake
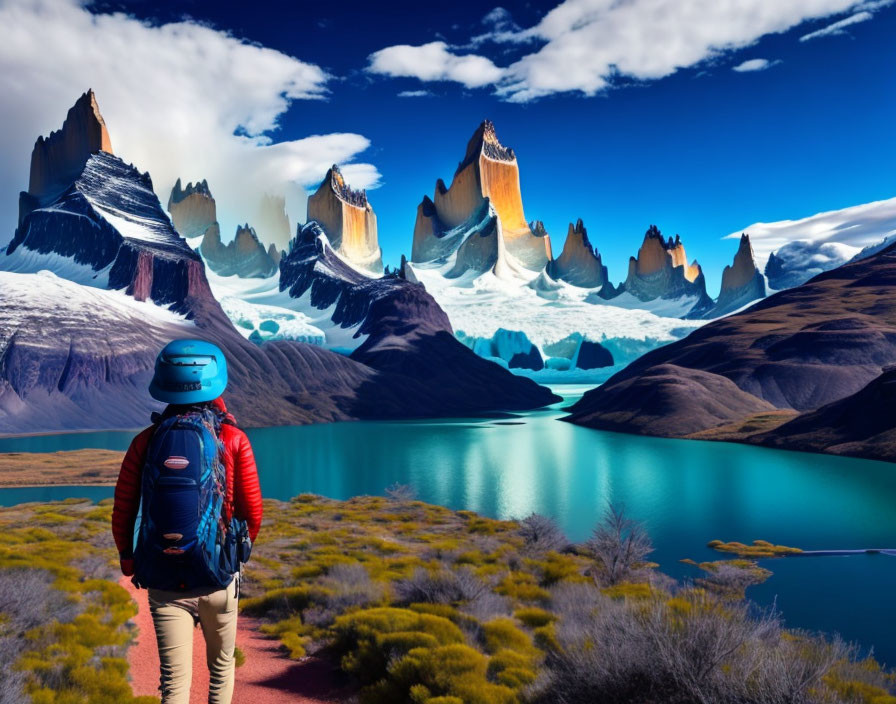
[686,492]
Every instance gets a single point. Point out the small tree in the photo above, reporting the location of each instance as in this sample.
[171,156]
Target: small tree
[401,492]
[619,546]
[541,533]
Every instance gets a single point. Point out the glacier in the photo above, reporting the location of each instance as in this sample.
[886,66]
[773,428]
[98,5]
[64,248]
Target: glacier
[489,312]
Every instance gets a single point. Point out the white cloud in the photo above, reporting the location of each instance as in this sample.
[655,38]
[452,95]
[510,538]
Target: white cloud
[754,65]
[414,93]
[856,226]
[587,45]
[180,99]
[433,62]
[837,27]
[501,27]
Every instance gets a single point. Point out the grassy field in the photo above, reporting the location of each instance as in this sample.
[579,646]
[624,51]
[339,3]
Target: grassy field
[421,604]
[95,467]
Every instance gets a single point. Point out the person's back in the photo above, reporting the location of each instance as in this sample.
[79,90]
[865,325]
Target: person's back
[191,477]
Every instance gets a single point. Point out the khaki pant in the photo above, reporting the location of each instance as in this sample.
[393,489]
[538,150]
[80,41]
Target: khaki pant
[174,616]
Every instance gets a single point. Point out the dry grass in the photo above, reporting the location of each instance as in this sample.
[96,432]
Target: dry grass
[81,467]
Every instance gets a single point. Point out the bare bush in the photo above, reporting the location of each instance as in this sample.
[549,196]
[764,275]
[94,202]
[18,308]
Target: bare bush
[442,587]
[487,606]
[27,599]
[319,616]
[401,492]
[542,533]
[694,649]
[575,600]
[619,546]
[351,586]
[96,566]
[12,682]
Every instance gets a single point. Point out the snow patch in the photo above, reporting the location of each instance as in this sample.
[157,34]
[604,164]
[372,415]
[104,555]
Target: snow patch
[271,303]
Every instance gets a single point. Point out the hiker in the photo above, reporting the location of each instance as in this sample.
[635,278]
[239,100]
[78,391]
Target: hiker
[192,479]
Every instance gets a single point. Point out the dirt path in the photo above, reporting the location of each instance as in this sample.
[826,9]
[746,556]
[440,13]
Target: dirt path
[267,677]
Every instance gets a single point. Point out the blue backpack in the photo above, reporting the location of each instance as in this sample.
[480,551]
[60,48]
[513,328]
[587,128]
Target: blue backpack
[182,541]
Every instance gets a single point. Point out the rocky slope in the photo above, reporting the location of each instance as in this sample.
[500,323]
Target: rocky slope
[243,256]
[109,230]
[347,218]
[799,349]
[742,282]
[406,335]
[77,345]
[579,263]
[860,424]
[661,271]
[487,176]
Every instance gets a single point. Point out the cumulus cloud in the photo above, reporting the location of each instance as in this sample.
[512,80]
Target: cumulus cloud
[434,62]
[797,262]
[180,99]
[754,65]
[414,93]
[587,45]
[837,27]
[857,226]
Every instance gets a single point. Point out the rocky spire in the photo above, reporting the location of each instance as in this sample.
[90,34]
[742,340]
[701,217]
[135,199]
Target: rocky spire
[57,160]
[193,210]
[742,282]
[488,173]
[579,263]
[244,256]
[348,220]
[661,270]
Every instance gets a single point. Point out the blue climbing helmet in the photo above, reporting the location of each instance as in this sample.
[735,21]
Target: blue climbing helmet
[189,371]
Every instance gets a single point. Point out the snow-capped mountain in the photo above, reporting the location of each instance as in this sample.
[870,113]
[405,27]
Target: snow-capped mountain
[97,280]
[509,299]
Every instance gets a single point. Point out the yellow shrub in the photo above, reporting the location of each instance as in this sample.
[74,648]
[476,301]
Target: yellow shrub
[627,590]
[534,617]
[503,633]
[522,586]
[854,691]
[456,671]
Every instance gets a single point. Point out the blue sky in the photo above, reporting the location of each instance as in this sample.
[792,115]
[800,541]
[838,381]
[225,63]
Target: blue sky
[701,152]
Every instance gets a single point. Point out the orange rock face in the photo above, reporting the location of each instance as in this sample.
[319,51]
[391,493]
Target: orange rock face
[488,170]
[743,269]
[57,160]
[656,254]
[348,219]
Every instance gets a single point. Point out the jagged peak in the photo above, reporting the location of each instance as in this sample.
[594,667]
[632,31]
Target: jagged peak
[343,191]
[668,243]
[58,158]
[538,228]
[246,230]
[579,230]
[179,193]
[86,104]
[485,141]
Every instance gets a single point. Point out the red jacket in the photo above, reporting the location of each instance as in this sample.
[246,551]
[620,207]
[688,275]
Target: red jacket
[243,498]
